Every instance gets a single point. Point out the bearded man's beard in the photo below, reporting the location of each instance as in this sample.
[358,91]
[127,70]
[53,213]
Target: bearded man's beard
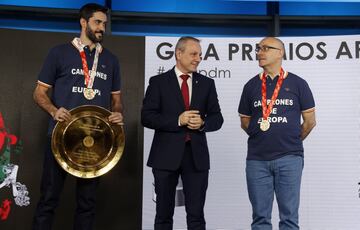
[92,35]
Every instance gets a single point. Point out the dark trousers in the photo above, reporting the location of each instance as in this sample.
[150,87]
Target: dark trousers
[52,182]
[195,183]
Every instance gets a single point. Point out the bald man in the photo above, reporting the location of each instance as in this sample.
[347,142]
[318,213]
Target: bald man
[271,106]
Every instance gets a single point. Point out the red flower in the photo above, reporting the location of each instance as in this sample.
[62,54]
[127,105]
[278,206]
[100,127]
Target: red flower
[2,139]
[5,209]
[3,134]
[13,139]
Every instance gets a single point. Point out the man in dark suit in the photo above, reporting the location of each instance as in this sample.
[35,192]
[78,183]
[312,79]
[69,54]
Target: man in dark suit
[181,105]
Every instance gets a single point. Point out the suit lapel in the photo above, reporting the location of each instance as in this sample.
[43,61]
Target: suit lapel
[195,90]
[174,86]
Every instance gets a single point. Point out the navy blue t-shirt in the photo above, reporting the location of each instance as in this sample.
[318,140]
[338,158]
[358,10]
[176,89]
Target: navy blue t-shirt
[284,135]
[63,72]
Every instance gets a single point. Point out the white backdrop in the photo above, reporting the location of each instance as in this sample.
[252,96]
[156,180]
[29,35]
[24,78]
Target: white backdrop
[330,190]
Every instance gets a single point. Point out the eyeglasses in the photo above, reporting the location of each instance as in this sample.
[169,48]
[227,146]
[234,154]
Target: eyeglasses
[265,48]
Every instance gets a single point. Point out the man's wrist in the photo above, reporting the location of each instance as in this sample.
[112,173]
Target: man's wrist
[53,112]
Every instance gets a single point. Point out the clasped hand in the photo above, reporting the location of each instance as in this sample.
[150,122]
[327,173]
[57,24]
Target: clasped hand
[191,119]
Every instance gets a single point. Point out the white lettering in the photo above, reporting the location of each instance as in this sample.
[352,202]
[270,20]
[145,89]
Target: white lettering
[97,92]
[78,89]
[274,111]
[275,120]
[81,72]
[284,102]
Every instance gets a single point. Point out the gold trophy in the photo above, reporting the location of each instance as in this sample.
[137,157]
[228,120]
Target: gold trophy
[88,145]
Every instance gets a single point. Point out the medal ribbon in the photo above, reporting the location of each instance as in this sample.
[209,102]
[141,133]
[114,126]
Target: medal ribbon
[89,78]
[266,110]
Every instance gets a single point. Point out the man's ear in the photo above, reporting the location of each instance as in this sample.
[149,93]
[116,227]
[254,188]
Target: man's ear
[83,22]
[282,53]
[177,53]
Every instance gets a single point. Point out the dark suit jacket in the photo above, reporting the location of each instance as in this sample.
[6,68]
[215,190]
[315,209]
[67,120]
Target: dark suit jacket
[162,105]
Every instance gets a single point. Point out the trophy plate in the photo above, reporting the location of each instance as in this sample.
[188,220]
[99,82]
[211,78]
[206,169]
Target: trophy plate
[88,145]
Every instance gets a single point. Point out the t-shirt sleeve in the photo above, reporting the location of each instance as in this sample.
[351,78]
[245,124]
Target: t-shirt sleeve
[116,84]
[47,74]
[306,97]
[244,104]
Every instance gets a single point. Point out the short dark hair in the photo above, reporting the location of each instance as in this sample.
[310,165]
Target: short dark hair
[87,11]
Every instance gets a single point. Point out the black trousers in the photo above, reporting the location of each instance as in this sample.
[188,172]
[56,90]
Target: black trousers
[52,182]
[195,184]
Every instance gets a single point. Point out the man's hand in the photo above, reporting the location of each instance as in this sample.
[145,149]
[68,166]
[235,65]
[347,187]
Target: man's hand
[195,122]
[116,118]
[61,114]
[191,119]
[309,122]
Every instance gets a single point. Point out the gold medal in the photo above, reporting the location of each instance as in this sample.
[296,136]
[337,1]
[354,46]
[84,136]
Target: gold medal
[89,93]
[89,76]
[264,125]
[266,110]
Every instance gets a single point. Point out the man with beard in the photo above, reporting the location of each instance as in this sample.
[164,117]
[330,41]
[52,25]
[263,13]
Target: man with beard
[80,72]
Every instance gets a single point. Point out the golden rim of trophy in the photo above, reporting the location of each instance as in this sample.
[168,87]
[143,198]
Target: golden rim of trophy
[88,145]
